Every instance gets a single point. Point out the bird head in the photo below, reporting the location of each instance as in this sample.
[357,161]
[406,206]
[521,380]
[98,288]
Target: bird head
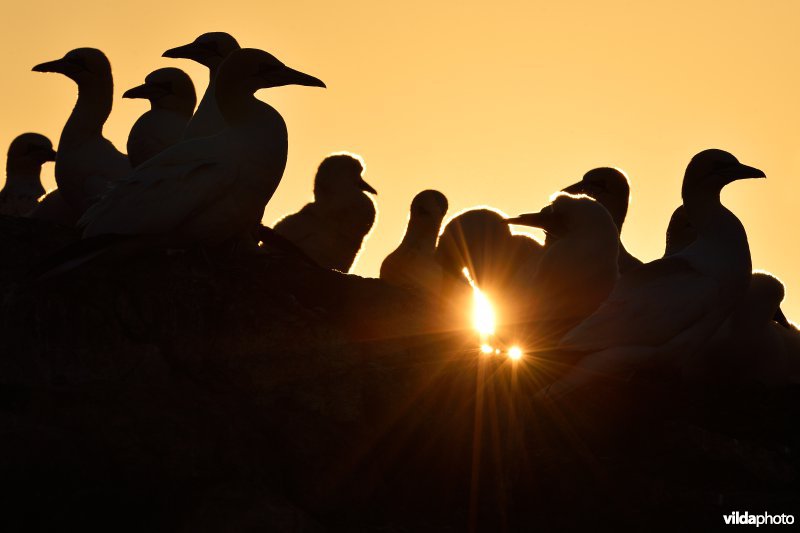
[169,88]
[80,65]
[567,214]
[480,240]
[31,149]
[610,187]
[429,204]
[340,174]
[210,49]
[257,69]
[713,169]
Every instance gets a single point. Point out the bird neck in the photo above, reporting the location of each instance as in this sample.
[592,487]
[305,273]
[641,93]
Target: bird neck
[421,235]
[237,105]
[24,173]
[717,229]
[90,113]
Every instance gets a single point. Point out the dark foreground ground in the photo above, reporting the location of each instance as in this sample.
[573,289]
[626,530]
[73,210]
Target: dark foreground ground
[182,393]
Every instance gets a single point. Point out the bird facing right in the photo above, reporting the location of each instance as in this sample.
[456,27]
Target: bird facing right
[671,307]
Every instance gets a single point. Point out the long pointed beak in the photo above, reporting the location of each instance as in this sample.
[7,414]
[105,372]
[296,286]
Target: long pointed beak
[575,188]
[533,220]
[187,51]
[59,66]
[295,77]
[741,172]
[141,91]
[364,186]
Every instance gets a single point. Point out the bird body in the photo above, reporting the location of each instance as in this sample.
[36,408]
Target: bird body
[672,306]
[211,189]
[172,99]
[331,229]
[578,268]
[23,187]
[413,264]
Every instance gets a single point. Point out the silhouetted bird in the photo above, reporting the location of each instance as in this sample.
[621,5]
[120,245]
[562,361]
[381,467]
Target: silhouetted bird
[172,100]
[681,233]
[331,229]
[86,162]
[610,187]
[26,155]
[481,241]
[671,306]
[213,189]
[751,347]
[210,50]
[413,263]
[579,267]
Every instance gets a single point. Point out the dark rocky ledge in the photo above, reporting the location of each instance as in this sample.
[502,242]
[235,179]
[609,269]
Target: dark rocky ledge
[178,392]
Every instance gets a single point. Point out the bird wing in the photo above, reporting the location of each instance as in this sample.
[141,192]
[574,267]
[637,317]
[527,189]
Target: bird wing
[163,192]
[649,306]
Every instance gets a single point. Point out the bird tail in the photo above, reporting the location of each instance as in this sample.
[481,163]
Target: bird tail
[74,255]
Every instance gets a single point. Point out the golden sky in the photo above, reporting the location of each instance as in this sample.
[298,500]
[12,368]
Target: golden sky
[497,103]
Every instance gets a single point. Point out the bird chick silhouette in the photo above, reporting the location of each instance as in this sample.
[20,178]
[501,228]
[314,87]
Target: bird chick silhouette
[210,50]
[86,161]
[209,190]
[331,229]
[413,264]
[172,99]
[610,187]
[578,269]
[23,187]
[668,309]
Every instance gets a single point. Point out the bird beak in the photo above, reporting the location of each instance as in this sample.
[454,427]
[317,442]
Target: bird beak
[144,91]
[741,172]
[289,76]
[364,186]
[60,66]
[534,220]
[575,188]
[50,155]
[187,51]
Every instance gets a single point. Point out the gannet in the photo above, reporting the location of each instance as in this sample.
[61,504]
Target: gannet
[209,190]
[172,100]
[751,346]
[610,187]
[86,161]
[26,155]
[413,263]
[331,229]
[53,208]
[670,307]
[210,50]
[579,267]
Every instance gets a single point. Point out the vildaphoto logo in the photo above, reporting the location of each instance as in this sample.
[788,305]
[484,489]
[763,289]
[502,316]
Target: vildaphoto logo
[745,518]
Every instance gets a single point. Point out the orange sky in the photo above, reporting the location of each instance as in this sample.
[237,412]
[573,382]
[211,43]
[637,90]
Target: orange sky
[498,104]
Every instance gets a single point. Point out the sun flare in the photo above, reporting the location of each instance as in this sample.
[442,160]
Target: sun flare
[483,315]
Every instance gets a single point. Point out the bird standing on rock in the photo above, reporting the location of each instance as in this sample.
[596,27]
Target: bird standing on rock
[210,190]
[210,50]
[86,162]
[579,267]
[610,187]
[172,100]
[331,229]
[670,307]
[26,155]
[413,263]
